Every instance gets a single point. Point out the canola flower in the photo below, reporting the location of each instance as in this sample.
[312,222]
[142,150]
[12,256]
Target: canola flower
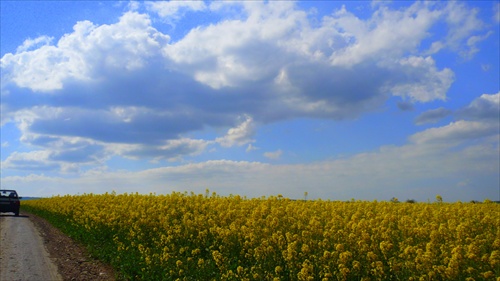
[185,236]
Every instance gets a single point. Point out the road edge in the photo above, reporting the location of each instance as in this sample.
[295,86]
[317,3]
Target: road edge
[72,259]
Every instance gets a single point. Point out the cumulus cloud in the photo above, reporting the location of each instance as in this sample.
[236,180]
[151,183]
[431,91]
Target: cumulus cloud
[34,43]
[127,85]
[387,34]
[86,54]
[421,68]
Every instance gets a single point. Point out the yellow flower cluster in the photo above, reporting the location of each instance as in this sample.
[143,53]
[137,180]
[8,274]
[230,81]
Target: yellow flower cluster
[200,237]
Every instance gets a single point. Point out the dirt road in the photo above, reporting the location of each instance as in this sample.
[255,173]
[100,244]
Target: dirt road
[22,252]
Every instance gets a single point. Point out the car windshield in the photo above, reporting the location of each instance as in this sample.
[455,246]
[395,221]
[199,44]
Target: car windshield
[8,193]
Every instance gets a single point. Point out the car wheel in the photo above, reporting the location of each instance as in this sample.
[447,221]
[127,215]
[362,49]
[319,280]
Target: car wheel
[17,213]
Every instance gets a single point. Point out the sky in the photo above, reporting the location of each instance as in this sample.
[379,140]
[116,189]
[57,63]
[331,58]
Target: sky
[357,100]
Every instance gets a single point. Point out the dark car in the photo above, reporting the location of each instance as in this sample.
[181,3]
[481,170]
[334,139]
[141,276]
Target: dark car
[9,201]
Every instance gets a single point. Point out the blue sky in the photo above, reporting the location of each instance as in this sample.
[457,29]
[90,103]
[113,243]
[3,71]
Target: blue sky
[364,100]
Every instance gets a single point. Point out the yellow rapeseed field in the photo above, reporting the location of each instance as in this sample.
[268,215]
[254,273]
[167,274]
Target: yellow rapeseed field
[185,236]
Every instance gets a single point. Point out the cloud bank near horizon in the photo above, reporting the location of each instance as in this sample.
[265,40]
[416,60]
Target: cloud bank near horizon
[432,161]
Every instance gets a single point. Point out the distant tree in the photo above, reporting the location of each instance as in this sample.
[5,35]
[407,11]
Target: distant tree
[394,200]
[439,199]
[410,201]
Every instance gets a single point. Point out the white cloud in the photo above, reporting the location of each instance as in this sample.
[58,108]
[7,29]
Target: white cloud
[34,43]
[66,155]
[493,99]
[274,155]
[435,47]
[486,107]
[133,5]
[464,30]
[34,160]
[472,43]
[251,147]
[463,22]
[40,74]
[436,83]
[86,54]
[456,131]
[239,51]
[171,150]
[240,135]
[388,34]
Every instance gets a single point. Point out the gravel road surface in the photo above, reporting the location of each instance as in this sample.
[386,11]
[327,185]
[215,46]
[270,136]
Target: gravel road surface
[23,255]
[72,260]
